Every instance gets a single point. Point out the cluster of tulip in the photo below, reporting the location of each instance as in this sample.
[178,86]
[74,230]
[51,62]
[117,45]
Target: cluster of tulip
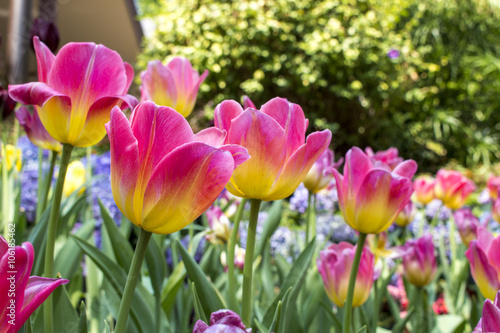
[163,177]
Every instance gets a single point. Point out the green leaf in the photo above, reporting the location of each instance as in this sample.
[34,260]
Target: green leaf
[401,324]
[69,257]
[172,287]
[140,313]
[362,330]
[121,247]
[82,327]
[329,312]
[197,305]
[449,324]
[65,317]
[294,280]
[209,296]
[157,266]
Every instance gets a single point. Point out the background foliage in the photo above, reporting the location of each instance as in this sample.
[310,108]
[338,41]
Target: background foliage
[438,100]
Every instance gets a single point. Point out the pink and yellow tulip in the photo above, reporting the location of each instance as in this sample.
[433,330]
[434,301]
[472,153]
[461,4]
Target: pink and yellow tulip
[37,134]
[371,196]
[424,189]
[219,225]
[453,188]
[407,215]
[76,91]
[490,320]
[275,138]
[20,293]
[419,261]
[495,210]
[493,186]
[467,224]
[321,173]
[334,265]
[175,84]
[162,175]
[484,258]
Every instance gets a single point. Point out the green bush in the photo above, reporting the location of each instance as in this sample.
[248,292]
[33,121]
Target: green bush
[437,101]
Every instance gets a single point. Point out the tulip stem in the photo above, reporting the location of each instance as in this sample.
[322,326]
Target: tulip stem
[48,181]
[52,232]
[311,217]
[133,276]
[352,283]
[231,245]
[248,266]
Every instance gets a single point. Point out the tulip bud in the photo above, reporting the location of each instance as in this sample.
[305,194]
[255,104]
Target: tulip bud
[334,265]
[419,261]
[321,174]
[467,225]
[75,178]
[424,189]
[407,215]
[222,321]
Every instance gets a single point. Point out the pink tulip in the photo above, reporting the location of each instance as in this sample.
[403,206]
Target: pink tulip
[222,321]
[452,188]
[175,84]
[77,90]
[389,156]
[321,173]
[419,261]
[37,134]
[275,138]
[162,175]
[407,215]
[484,258]
[493,186]
[247,103]
[495,210]
[424,189]
[490,321]
[467,225]
[334,265]
[20,294]
[371,195]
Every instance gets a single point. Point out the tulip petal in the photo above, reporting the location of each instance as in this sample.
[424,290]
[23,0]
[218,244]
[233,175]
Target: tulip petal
[55,116]
[158,84]
[299,165]
[44,59]
[191,99]
[14,272]
[183,185]
[240,154]
[129,72]
[36,292]
[406,169]
[124,161]
[96,72]
[225,112]
[491,317]
[36,93]
[484,275]
[266,143]
[211,136]
[158,130]
[291,117]
[493,254]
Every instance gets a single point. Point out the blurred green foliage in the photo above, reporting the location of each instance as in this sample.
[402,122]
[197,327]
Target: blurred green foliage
[437,101]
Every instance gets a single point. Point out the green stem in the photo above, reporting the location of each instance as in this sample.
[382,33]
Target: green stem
[52,232]
[352,282]
[158,312]
[40,182]
[231,245]
[453,243]
[48,180]
[133,276]
[311,217]
[248,266]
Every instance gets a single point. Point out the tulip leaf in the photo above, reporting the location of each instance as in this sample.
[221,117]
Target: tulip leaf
[174,283]
[82,326]
[69,257]
[140,313]
[210,298]
[197,305]
[449,324]
[259,325]
[294,280]
[121,247]
[157,266]
[270,226]
[106,327]
[362,330]
[65,317]
[400,325]
[331,315]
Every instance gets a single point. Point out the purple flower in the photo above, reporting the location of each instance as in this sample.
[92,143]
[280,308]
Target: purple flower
[222,321]
[393,53]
